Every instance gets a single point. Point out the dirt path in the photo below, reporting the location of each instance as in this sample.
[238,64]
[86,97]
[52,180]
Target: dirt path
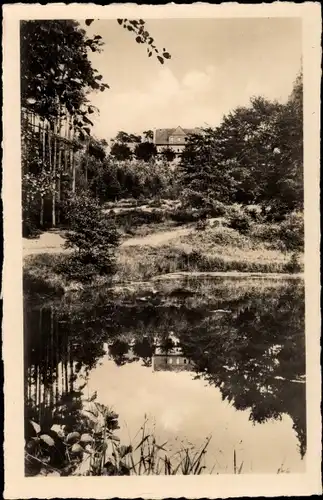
[53,242]
[49,242]
[156,239]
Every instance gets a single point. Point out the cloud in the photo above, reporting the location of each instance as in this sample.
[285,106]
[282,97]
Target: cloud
[167,102]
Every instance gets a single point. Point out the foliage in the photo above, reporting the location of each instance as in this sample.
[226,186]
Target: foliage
[92,236]
[57,85]
[239,220]
[95,450]
[168,154]
[54,92]
[253,156]
[293,266]
[125,138]
[291,231]
[138,28]
[145,151]
[120,151]
[111,180]
[148,135]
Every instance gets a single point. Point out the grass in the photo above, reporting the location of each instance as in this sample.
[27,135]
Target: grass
[213,250]
[219,249]
[92,448]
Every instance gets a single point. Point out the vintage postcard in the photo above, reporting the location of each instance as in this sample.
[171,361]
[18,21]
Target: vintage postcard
[161,231]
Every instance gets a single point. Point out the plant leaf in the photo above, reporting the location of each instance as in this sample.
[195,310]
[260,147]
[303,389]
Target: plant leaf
[35,426]
[77,449]
[47,439]
[73,437]
[86,438]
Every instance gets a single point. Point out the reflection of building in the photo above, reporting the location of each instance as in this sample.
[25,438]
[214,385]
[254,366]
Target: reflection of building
[170,357]
[171,362]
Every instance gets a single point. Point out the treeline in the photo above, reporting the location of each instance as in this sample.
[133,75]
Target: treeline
[127,146]
[254,157]
[110,180]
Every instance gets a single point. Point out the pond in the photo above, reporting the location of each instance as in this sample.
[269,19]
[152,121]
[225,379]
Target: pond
[193,358]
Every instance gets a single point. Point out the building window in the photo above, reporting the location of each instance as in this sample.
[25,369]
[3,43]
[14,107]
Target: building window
[170,361]
[177,361]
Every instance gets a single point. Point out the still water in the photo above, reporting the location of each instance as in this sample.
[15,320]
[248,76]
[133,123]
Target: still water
[195,358]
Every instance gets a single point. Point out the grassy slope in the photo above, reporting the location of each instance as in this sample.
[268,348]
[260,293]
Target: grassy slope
[216,249]
[219,249]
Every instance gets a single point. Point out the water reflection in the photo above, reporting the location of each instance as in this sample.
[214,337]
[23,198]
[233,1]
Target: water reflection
[246,340]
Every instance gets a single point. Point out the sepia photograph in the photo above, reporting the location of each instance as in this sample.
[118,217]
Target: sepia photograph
[162,229]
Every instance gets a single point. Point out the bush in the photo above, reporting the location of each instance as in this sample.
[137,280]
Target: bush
[216,209]
[255,212]
[182,215]
[291,231]
[240,222]
[93,238]
[293,266]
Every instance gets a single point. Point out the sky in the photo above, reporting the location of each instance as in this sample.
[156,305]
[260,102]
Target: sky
[216,65]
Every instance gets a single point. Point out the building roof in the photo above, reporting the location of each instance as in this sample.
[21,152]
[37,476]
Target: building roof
[162,134]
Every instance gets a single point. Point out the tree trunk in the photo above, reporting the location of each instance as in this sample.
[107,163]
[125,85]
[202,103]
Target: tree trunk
[59,166]
[54,176]
[43,168]
[51,360]
[73,159]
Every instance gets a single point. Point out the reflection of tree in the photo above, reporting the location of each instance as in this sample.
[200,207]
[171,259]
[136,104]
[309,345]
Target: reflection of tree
[117,350]
[144,349]
[256,356]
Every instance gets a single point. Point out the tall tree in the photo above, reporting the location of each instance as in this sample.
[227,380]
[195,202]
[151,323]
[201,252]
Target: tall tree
[145,151]
[253,156]
[120,151]
[54,90]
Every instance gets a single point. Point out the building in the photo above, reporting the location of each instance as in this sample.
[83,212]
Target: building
[172,138]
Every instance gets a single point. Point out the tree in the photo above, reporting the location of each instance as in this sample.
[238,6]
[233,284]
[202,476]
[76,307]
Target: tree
[57,86]
[54,91]
[253,156]
[168,154]
[120,151]
[92,237]
[122,137]
[145,151]
[201,176]
[148,135]
[135,138]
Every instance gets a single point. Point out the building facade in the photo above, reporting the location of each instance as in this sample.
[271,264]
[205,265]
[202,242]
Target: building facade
[172,138]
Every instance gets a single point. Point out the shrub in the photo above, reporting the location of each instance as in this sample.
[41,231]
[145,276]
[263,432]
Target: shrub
[216,209]
[255,212]
[291,231]
[293,265]
[183,215]
[93,238]
[240,222]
